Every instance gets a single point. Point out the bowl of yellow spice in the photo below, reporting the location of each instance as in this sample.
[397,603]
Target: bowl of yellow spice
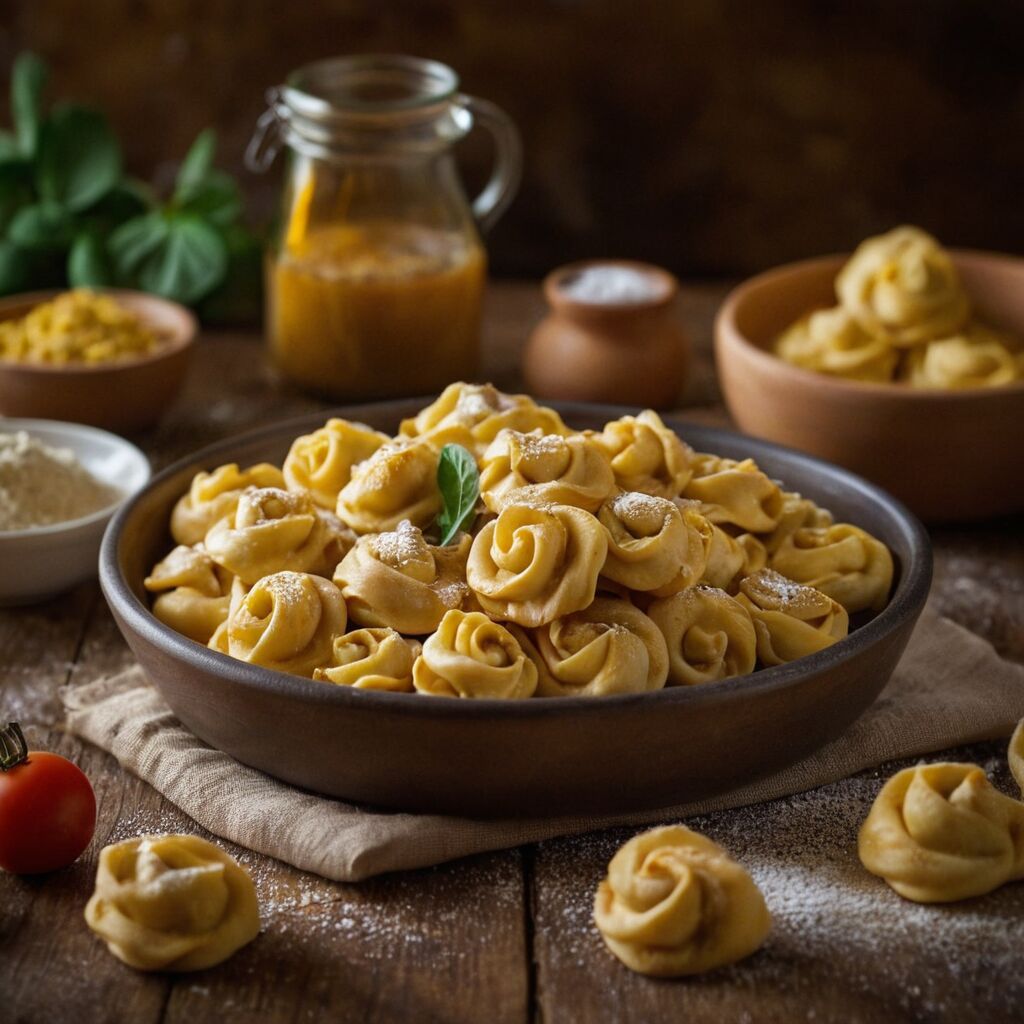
[903,362]
[113,359]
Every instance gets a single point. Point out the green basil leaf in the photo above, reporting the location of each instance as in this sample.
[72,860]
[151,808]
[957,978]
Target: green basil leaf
[88,262]
[79,159]
[196,166]
[127,199]
[42,227]
[28,80]
[458,480]
[15,268]
[216,200]
[134,242]
[10,151]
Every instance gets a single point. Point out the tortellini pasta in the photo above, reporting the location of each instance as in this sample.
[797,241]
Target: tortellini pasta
[653,545]
[790,620]
[273,530]
[731,558]
[397,579]
[841,560]
[735,493]
[213,496]
[472,656]
[674,903]
[288,622]
[172,903]
[646,456]
[535,563]
[536,467]
[943,832]
[709,634]
[797,511]
[609,647]
[975,358]
[399,481]
[321,463]
[371,659]
[193,592]
[833,341]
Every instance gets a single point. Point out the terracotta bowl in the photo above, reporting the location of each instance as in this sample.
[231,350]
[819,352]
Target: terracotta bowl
[950,455]
[123,396]
[533,757]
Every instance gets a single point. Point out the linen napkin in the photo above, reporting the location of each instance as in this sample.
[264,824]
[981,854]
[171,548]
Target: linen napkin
[950,688]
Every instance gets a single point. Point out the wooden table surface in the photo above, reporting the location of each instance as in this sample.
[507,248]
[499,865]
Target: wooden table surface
[498,937]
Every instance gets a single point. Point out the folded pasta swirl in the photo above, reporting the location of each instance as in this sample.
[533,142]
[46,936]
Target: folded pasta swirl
[272,530]
[797,511]
[172,903]
[193,592]
[371,659]
[731,558]
[472,656]
[399,481]
[321,463]
[975,358]
[538,467]
[841,560]
[397,579]
[609,647]
[791,620]
[709,635]
[833,341]
[735,493]
[674,903]
[903,284]
[213,496]
[288,622]
[653,545]
[646,455]
[535,563]
[943,832]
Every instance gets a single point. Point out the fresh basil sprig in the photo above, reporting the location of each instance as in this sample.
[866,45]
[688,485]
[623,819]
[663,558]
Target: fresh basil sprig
[458,480]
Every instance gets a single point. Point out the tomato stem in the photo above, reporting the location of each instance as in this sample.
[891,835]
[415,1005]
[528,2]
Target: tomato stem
[13,748]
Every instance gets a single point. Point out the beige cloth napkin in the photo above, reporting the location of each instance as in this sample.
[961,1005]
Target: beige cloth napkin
[950,688]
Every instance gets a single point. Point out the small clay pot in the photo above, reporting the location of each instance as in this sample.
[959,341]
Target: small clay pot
[627,352]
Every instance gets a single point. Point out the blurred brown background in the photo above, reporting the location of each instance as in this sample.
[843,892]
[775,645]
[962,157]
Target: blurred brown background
[713,136]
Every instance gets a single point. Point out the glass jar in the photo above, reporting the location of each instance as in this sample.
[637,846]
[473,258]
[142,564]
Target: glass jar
[375,276]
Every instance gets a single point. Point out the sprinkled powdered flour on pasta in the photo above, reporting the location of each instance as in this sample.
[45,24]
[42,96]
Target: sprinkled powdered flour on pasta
[40,485]
[400,546]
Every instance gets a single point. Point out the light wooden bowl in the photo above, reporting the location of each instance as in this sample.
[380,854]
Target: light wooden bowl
[950,455]
[124,396]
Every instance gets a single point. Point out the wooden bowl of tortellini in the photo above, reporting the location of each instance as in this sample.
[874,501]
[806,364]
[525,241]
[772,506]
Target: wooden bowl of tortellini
[903,362]
[482,605]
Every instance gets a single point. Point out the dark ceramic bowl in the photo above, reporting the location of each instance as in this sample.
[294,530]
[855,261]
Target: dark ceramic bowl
[534,757]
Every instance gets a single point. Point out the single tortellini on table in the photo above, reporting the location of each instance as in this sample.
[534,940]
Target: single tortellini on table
[735,493]
[709,635]
[397,579]
[841,560]
[646,455]
[975,358]
[535,563]
[470,655]
[790,620]
[193,592]
[653,544]
[172,903]
[537,467]
[399,481]
[273,530]
[473,415]
[833,341]
[609,647]
[287,622]
[675,903]
[904,285]
[213,496]
[942,832]
[374,658]
[321,463]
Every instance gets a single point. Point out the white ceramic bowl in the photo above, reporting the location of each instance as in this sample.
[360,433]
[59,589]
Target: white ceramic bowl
[46,560]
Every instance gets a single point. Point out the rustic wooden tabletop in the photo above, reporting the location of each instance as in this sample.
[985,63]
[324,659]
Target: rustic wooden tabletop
[498,937]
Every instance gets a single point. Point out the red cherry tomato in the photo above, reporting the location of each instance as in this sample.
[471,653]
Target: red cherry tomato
[47,814]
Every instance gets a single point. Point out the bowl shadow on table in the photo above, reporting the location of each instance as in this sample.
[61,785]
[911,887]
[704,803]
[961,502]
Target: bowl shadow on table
[529,758]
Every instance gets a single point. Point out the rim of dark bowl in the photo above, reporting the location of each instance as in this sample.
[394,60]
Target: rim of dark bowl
[907,598]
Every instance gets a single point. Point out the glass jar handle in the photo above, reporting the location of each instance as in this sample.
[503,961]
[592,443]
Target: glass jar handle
[508,162]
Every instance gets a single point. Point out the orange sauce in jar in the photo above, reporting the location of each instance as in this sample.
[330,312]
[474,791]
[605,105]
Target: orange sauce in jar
[376,309]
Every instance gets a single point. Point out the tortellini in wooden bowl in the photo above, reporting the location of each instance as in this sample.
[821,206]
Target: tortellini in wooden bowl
[580,564]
